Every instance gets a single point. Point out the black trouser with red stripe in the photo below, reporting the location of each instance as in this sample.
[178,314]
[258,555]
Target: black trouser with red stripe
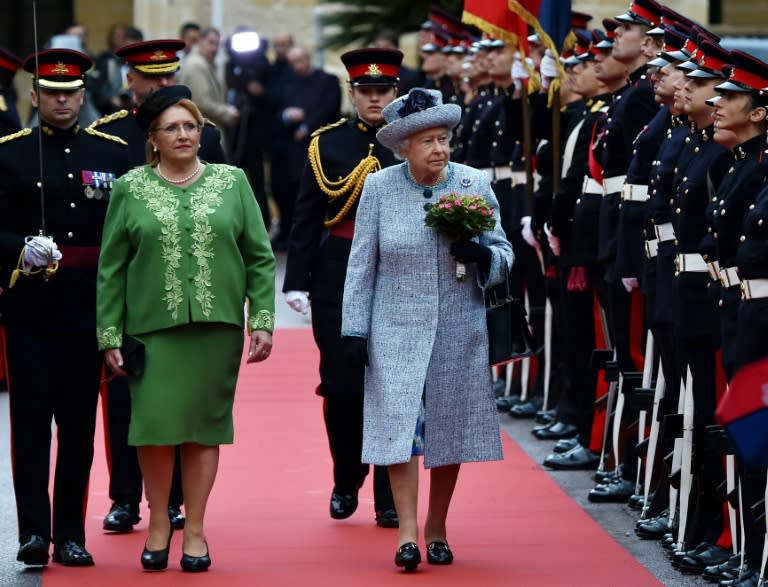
[53,375]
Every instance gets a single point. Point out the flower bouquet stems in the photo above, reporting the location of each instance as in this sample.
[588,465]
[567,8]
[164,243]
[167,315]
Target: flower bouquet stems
[460,217]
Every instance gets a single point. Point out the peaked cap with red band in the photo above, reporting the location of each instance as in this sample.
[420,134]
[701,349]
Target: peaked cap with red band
[645,12]
[372,67]
[59,69]
[156,57]
[712,59]
[746,73]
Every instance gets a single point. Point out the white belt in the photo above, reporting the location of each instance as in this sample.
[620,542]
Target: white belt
[591,186]
[752,289]
[614,184]
[500,173]
[729,276]
[690,262]
[634,192]
[651,248]
[714,269]
[665,232]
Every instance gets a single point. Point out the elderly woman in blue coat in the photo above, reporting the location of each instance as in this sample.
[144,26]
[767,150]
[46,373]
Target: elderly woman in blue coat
[419,330]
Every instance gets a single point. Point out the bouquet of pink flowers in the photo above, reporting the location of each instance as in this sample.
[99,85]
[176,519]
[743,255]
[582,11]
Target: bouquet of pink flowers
[460,218]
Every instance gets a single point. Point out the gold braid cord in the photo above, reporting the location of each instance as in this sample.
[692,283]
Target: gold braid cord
[349,186]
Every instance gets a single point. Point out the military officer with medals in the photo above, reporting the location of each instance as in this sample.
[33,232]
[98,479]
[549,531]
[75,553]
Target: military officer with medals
[50,231]
[341,155]
[151,65]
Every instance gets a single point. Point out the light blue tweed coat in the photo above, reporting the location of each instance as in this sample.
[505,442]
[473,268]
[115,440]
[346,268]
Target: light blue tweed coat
[426,330]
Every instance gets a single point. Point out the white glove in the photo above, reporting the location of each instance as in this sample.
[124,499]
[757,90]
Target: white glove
[519,73]
[298,301]
[40,251]
[630,283]
[554,242]
[548,65]
[528,237]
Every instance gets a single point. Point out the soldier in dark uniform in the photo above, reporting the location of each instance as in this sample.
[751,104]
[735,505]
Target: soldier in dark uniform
[482,85]
[658,266]
[573,236]
[733,242]
[50,307]
[9,116]
[340,157]
[152,65]
[697,334]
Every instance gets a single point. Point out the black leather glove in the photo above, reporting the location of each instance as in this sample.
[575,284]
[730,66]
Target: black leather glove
[356,350]
[472,252]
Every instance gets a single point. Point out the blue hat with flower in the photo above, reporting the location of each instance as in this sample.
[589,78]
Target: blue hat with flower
[419,110]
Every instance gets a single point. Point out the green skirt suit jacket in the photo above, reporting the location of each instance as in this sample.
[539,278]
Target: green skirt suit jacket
[176,266]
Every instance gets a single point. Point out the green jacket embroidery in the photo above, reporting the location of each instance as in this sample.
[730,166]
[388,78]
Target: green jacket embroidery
[171,255]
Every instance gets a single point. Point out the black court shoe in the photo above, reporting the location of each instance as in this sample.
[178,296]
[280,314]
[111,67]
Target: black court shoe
[195,564]
[439,553]
[156,560]
[408,556]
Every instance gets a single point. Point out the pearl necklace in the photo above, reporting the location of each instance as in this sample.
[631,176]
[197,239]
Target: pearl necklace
[182,180]
[440,178]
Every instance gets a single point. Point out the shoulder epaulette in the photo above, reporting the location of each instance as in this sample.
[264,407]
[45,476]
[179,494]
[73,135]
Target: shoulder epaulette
[597,105]
[102,135]
[109,118]
[322,129]
[207,122]
[16,135]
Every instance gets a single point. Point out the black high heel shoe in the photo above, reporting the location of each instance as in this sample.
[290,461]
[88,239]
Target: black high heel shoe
[195,564]
[408,556]
[156,560]
[439,553]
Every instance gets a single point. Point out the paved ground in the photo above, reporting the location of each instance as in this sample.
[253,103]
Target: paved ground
[617,520]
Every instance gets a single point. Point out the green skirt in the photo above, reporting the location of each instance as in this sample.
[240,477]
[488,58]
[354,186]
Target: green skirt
[188,386]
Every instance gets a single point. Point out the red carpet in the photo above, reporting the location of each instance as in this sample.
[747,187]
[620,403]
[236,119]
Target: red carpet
[268,523]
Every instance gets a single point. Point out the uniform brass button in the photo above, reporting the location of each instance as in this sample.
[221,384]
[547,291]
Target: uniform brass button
[70,234]
[39,184]
[70,176]
[67,150]
[677,210]
[742,238]
[751,206]
[72,205]
[578,200]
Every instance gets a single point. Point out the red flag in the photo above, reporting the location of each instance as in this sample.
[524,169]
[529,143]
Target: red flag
[495,18]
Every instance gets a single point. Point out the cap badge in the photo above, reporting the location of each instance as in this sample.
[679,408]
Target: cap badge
[158,56]
[373,70]
[60,68]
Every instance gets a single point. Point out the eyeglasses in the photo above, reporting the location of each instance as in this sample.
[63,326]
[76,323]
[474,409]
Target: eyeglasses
[189,128]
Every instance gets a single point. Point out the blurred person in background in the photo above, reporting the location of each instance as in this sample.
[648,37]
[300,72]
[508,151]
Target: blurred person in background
[312,99]
[247,73]
[200,76]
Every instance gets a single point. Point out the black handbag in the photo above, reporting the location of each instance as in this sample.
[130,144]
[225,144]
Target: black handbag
[509,338]
[133,355]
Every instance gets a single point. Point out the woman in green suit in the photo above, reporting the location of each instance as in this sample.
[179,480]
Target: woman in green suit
[184,247]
